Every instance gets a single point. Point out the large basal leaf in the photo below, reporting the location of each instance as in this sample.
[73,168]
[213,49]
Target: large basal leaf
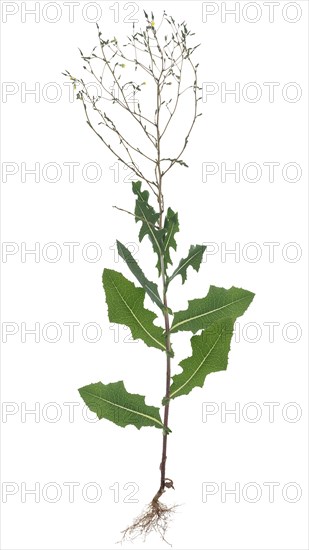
[113,402]
[171,226]
[145,213]
[220,303]
[151,288]
[209,354]
[125,304]
[194,259]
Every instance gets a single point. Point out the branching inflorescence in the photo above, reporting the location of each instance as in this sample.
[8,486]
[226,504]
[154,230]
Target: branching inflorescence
[157,58]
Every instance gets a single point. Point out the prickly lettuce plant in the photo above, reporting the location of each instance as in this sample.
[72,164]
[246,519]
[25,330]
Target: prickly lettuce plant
[164,56]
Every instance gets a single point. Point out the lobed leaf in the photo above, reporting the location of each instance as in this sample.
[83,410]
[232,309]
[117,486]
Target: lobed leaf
[220,303]
[150,288]
[145,212]
[194,259]
[171,226]
[125,304]
[114,403]
[210,351]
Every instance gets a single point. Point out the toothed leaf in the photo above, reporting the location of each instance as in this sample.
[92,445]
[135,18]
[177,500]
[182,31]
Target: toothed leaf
[114,403]
[145,213]
[150,288]
[171,226]
[194,259]
[210,351]
[125,304]
[220,303]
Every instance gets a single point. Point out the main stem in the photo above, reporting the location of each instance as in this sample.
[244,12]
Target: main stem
[168,376]
[166,316]
[167,391]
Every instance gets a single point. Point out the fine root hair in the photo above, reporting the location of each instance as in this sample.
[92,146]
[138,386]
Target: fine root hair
[155,518]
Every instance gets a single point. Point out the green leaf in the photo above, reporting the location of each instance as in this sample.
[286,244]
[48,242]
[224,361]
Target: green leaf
[125,304]
[194,259]
[220,303]
[151,288]
[113,402]
[210,351]
[145,212]
[171,226]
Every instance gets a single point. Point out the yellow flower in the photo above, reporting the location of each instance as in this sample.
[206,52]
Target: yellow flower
[152,23]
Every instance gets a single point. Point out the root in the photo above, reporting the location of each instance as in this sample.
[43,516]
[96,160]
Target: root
[155,518]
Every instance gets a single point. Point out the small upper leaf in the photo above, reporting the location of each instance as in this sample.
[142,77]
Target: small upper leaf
[125,304]
[220,303]
[210,351]
[194,259]
[171,226]
[151,288]
[113,402]
[145,212]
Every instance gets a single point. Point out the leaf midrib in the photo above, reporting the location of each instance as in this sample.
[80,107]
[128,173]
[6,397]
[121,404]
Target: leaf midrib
[207,313]
[140,275]
[166,244]
[198,368]
[122,407]
[136,318]
[178,269]
[151,231]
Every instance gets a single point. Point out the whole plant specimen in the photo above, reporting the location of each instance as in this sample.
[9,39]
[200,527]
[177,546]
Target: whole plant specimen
[163,54]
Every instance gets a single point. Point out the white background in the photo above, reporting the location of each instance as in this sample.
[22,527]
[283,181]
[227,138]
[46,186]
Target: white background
[37,450]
